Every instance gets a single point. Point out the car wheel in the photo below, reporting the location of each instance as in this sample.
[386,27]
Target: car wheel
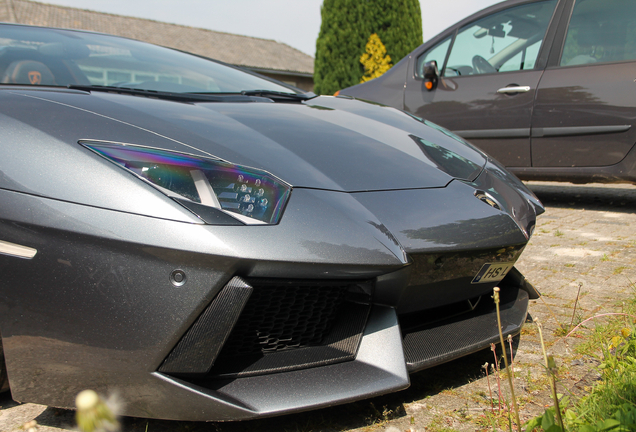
[481,65]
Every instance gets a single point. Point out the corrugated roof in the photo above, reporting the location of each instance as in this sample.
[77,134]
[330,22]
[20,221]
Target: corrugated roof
[230,48]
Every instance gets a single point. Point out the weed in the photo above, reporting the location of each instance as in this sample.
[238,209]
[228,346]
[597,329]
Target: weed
[550,366]
[495,371]
[569,265]
[558,233]
[492,405]
[611,404]
[438,425]
[508,368]
[578,295]
[619,270]
[379,417]
[528,331]
[93,414]
[604,257]
[560,329]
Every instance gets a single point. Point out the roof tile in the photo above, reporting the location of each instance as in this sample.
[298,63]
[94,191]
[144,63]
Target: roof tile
[230,48]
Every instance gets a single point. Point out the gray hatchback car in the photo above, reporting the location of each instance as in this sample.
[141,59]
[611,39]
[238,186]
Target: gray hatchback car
[546,87]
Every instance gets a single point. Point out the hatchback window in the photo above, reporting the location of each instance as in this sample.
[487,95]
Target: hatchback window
[505,41]
[600,31]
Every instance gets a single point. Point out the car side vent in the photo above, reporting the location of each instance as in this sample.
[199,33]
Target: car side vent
[487,198]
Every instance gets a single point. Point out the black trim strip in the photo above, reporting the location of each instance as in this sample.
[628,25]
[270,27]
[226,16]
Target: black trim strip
[578,130]
[494,133]
[541,132]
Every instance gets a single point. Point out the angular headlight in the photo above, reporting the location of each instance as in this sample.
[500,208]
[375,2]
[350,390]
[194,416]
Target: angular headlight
[252,196]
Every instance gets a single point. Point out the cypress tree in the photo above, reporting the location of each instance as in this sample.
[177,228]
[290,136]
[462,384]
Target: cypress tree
[345,30]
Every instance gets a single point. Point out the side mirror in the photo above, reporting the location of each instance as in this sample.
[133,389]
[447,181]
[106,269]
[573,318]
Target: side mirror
[431,75]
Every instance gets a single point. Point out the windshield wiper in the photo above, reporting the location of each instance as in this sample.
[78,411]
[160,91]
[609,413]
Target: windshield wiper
[177,97]
[276,94]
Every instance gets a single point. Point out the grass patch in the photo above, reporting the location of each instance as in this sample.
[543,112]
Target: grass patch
[611,403]
[617,388]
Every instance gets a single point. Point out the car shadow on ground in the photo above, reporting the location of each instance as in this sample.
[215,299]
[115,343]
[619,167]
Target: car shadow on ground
[615,198]
[6,402]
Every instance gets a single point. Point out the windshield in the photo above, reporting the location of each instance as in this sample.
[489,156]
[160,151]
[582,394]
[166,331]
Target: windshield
[41,56]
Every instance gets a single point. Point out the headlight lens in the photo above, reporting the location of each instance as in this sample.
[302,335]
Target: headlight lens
[253,196]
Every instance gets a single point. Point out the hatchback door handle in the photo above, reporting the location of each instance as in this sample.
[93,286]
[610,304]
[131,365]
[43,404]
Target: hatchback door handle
[516,89]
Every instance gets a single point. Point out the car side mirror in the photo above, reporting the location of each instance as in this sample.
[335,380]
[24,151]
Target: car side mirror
[431,75]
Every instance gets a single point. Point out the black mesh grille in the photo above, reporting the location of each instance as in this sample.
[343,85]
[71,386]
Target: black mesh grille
[280,317]
[290,325]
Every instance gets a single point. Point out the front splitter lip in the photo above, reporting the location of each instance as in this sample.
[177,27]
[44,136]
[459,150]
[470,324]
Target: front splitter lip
[465,334]
[379,368]
[382,365]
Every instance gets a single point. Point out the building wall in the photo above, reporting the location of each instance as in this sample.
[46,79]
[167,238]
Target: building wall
[302,82]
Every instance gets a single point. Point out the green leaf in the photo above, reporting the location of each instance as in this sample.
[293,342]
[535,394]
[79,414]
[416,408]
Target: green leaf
[548,420]
[533,423]
[608,424]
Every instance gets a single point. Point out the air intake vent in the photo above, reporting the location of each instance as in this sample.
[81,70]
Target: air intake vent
[488,199]
[285,317]
[289,325]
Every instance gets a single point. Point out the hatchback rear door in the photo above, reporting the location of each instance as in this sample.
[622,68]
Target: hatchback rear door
[585,112]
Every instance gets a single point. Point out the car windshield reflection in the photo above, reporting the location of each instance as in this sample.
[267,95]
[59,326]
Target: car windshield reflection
[39,56]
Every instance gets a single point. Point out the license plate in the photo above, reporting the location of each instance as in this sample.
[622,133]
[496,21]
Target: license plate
[492,272]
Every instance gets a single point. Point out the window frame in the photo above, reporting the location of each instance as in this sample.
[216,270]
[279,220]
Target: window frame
[546,51]
[555,56]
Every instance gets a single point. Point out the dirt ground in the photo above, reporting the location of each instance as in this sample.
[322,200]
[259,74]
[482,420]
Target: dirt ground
[586,238]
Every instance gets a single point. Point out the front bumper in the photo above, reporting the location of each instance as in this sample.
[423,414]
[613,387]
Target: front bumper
[385,357]
[96,307]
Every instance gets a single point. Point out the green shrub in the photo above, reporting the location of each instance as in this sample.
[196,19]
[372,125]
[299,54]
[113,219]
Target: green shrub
[345,30]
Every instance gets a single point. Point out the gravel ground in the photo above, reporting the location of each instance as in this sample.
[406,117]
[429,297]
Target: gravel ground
[586,238]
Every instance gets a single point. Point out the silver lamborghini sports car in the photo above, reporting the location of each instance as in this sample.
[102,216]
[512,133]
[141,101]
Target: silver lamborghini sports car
[214,245]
